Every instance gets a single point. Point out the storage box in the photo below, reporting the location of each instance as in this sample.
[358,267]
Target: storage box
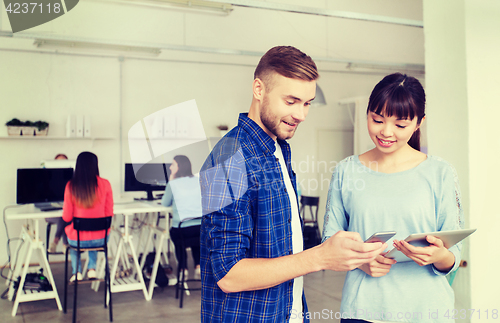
[14,131]
[26,131]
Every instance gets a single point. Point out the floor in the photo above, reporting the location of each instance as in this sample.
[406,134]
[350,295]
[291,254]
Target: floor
[322,289]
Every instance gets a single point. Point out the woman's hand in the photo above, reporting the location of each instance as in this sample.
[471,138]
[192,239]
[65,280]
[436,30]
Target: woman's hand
[436,253]
[378,267]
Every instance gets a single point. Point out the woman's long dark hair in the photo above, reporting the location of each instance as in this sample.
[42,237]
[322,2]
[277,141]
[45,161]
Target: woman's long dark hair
[400,95]
[184,165]
[84,182]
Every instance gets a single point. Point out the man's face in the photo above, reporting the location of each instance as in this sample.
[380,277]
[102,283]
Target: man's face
[286,105]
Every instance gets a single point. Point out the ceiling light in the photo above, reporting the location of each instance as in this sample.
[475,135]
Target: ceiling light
[320,97]
[95,46]
[224,8]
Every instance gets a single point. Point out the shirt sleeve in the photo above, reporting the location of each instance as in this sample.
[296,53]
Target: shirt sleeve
[450,213]
[68,207]
[167,198]
[108,208]
[335,216]
[226,202]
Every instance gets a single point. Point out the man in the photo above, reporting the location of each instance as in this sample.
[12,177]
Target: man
[252,257]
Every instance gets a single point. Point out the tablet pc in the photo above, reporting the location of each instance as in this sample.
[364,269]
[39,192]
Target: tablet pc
[449,238]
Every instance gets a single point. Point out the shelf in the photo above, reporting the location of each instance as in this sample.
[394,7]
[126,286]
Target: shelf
[54,138]
[167,138]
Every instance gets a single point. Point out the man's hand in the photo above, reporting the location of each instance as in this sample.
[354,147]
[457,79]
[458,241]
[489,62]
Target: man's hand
[346,251]
[436,253]
[378,267]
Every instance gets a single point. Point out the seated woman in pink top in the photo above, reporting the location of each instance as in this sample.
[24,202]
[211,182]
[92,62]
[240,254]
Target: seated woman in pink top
[86,196]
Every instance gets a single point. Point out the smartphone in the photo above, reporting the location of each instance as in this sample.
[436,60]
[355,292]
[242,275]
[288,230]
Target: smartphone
[381,236]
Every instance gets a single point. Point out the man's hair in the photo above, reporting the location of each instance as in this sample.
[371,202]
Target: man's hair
[287,61]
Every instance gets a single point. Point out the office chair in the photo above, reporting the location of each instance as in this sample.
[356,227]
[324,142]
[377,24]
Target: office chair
[182,263]
[90,224]
[312,236]
[311,202]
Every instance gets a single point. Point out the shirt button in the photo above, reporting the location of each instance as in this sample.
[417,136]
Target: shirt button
[289,220]
[287,316]
[291,284]
[286,190]
[290,252]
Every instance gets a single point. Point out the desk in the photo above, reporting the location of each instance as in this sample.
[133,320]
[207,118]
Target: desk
[30,234]
[129,283]
[163,234]
[32,245]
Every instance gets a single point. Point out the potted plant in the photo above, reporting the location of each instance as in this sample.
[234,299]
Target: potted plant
[16,127]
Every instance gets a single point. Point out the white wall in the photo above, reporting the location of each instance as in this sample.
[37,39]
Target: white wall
[483,81]
[48,85]
[447,111]
[462,76]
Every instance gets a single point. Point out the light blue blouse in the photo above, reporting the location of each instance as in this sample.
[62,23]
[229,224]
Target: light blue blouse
[184,195]
[422,199]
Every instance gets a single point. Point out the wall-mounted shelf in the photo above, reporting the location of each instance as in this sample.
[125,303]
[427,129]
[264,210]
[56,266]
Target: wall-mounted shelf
[55,138]
[167,138]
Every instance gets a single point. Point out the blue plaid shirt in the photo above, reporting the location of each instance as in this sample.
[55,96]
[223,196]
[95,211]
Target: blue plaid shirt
[247,214]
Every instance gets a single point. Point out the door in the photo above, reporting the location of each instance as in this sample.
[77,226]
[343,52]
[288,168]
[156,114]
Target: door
[333,146]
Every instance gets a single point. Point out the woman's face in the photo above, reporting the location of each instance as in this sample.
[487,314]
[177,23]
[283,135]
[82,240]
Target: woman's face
[174,167]
[390,133]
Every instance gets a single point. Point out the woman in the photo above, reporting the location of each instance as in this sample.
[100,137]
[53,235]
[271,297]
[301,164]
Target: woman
[86,196]
[183,193]
[395,187]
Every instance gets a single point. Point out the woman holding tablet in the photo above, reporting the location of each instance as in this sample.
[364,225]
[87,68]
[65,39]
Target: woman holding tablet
[396,187]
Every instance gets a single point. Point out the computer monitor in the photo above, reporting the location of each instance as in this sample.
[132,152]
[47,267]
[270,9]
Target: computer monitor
[146,177]
[42,186]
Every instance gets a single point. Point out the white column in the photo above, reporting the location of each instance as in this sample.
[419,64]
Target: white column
[462,47]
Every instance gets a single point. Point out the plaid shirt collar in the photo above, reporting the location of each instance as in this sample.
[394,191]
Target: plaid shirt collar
[262,139]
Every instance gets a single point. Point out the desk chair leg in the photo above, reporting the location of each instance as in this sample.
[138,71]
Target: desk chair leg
[110,294]
[181,265]
[180,279]
[180,283]
[183,287]
[47,240]
[107,285]
[66,282]
[78,261]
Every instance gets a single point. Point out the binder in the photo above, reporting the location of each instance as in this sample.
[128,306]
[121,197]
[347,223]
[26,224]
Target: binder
[169,126]
[86,126]
[79,126]
[71,126]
